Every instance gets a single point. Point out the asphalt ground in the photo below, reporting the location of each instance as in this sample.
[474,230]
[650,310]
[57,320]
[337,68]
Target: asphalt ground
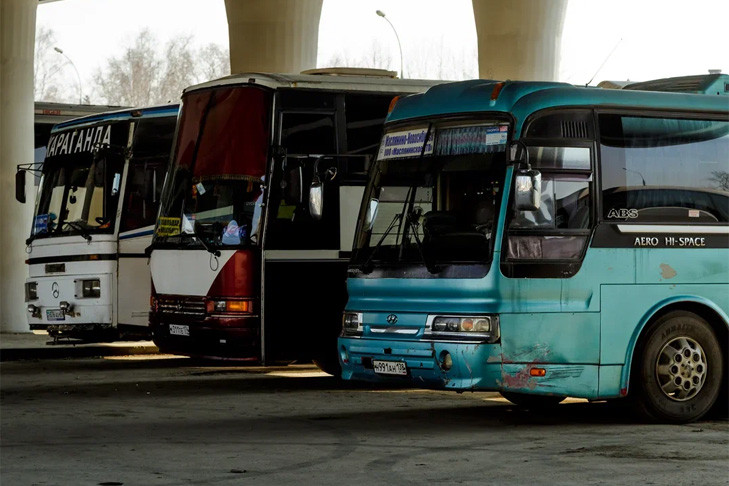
[39,345]
[164,420]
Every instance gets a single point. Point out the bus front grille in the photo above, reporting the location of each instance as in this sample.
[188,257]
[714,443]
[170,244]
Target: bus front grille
[182,306]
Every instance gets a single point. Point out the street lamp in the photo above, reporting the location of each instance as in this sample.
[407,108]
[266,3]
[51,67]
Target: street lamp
[80,95]
[402,66]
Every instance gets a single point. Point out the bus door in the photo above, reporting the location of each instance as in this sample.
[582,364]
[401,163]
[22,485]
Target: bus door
[301,261]
[326,140]
[142,190]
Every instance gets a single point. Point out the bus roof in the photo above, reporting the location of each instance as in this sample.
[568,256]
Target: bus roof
[51,113]
[522,98]
[710,84]
[128,113]
[324,81]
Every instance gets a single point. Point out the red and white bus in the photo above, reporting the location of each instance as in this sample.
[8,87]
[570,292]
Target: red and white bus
[258,210]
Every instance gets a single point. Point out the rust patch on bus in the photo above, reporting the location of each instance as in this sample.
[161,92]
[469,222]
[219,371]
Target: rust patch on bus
[520,380]
[667,271]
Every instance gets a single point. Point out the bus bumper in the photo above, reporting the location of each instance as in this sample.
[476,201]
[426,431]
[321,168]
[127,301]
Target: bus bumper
[429,364]
[235,338]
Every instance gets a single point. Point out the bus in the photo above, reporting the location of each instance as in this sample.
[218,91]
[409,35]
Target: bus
[545,240]
[250,253]
[96,206]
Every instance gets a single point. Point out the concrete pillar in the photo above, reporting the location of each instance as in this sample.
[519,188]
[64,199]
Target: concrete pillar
[273,35]
[519,39]
[17,41]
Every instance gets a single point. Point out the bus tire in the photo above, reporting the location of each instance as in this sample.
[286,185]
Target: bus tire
[532,402]
[329,365]
[679,368]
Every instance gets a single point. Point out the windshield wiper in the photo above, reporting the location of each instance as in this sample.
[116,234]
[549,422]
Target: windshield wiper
[77,226]
[410,222]
[32,238]
[366,268]
[199,238]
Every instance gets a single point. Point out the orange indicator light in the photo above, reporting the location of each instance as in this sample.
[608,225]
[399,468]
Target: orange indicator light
[537,372]
[392,104]
[237,306]
[496,91]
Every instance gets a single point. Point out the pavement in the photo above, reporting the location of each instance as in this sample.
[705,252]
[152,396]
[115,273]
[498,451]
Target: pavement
[39,345]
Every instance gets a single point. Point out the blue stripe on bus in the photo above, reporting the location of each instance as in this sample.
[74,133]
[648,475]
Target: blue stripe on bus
[134,235]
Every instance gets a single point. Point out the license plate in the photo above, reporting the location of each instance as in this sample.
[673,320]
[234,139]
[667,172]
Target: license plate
[390,368]
[179,330]
[55,315]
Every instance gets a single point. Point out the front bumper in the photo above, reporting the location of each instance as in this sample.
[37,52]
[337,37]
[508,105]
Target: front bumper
[234,338]
[474,365]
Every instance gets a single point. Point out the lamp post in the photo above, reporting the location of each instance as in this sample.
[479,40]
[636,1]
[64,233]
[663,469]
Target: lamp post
[402,66]
[80,94]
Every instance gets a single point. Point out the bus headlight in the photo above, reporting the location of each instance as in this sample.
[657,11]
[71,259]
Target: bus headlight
[481,328]
[91,288]
[31,291]
[34,311]
[352,324]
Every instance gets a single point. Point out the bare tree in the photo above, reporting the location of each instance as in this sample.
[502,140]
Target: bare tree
[145,76]
[213,62]
[429,60]
[47,67]
[721,178]
[132,78]
[179,68]
[376,57]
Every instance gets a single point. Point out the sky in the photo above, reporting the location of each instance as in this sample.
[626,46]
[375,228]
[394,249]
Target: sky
[616,40]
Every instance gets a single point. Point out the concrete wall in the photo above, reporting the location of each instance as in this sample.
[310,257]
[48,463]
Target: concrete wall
[17,41]
[519,39]
[273,35]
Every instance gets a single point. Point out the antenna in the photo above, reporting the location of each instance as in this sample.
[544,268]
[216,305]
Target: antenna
[605,61]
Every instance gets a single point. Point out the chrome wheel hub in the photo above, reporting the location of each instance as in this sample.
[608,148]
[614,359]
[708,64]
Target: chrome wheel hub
[681,368]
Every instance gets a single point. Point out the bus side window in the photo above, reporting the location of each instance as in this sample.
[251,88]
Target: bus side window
[664,170]
[141,199]
[551,241]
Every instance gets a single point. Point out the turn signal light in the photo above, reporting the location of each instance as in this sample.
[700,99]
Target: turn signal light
[537,372]
[392,104]
[231,306]
[497,90]
[238,306]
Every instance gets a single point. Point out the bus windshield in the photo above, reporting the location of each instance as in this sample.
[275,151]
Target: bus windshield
[436,204]
[218,170]
[79,188]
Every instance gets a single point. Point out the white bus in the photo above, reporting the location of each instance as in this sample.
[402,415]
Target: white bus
[94,214]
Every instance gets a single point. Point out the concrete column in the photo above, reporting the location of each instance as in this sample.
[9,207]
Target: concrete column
[519,39]
[273,35]
[17,41]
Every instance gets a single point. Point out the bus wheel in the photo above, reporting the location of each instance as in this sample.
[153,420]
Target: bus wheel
[532,402]
[679,370]
[329,365]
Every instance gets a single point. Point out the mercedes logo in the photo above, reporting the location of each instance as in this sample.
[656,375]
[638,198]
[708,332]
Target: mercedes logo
[54,290]
[392,319]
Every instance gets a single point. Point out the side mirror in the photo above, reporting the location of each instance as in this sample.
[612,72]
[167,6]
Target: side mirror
[20,186]
[316,199]
[115,184]
[528,190]
[371,214]
[292,186]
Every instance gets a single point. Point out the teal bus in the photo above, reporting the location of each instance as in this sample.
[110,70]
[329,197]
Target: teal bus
[546,240]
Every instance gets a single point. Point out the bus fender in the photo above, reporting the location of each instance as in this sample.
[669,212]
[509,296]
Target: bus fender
[648,316]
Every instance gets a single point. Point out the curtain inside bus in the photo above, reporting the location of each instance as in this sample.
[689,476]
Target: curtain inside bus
[224,132]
